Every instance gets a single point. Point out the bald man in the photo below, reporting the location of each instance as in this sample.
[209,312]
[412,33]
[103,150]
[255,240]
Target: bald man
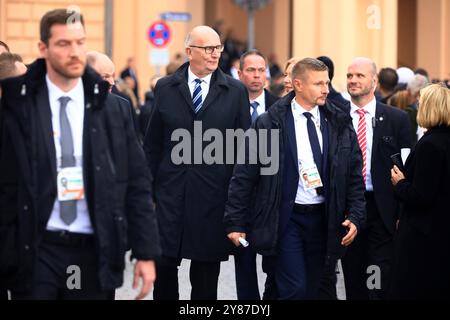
[190,196]
[382,131]
[103,65]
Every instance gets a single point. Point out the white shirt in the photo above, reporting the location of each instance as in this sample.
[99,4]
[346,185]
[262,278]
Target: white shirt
[304,151]
[206,81]
[370,109]
[75,114]
[261,104]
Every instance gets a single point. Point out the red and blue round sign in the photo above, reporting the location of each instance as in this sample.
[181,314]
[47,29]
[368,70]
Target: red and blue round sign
[159,34]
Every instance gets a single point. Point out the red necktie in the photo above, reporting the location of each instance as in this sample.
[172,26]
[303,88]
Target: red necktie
[362,140]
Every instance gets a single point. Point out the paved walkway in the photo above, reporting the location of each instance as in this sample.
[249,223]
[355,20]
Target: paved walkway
[227,285]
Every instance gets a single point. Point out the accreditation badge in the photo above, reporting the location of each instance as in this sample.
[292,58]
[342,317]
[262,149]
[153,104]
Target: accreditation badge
[310,177]
[70,184]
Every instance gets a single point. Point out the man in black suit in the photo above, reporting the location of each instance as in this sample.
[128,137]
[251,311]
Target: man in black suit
[382,131]
[191,189]
[303,221]
[252,73]
[74,188]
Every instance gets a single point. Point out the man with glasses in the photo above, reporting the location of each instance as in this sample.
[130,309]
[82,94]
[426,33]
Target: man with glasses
[190,196]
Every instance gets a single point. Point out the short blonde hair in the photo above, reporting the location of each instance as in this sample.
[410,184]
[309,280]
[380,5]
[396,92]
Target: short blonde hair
[434,106]
[291,61]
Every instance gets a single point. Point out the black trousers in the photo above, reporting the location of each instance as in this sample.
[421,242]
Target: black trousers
[327,288]
[372,247]
[60,255]
[247,278]
[203,276]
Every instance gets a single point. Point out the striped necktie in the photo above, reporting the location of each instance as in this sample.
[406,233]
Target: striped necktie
[254,106]
[197,95]
[362,138]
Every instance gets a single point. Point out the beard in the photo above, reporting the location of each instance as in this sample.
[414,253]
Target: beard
[364,92]
[66,72]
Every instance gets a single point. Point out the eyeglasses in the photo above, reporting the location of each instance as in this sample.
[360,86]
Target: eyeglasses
[210,49]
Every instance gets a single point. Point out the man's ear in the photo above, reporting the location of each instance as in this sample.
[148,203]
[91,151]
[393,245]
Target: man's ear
[188,52]
[297,84]
[42,49]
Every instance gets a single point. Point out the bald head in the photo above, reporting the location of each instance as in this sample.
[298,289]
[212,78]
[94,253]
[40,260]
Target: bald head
[366,63]
[362,81]
[201,34]
[203,48]
[102,64]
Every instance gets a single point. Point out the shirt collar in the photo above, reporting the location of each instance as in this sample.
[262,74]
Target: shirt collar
[300,110]
[54,93]
[192,77]
[259,99]
[369,108]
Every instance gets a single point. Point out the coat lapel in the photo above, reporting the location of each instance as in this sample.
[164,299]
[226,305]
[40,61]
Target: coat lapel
[45,117]
[218,81]
[377,130]
[290,132]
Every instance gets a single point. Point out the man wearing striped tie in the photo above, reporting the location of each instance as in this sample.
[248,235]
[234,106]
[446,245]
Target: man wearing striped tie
[382,131]
[190,196]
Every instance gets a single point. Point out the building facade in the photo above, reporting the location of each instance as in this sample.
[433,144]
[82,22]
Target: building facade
[413,33]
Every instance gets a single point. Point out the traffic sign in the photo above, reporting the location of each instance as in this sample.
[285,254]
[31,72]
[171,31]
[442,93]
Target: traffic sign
[176,16]
[159,34]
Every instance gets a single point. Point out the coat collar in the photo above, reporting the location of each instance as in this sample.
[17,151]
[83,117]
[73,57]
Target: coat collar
[279,108]
[218,77]
[95,88]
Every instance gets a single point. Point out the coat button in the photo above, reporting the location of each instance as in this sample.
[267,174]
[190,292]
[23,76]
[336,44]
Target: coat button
[94,130]
[27,247]
[25,207]
[97,168]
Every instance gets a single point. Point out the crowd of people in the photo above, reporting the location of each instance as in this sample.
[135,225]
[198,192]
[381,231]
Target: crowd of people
[88,172]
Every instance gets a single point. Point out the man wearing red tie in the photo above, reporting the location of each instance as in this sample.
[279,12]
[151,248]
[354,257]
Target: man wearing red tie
[382,131]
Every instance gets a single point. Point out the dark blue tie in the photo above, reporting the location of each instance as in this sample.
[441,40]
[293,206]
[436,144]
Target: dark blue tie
[314,141]
[254,106]
[197,95]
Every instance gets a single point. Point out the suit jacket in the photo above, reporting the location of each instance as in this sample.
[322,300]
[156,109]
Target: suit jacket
[269,98]
[390,134]
[190,196]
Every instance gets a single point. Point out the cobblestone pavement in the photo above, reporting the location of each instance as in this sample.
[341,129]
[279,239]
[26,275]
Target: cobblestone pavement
[227,285]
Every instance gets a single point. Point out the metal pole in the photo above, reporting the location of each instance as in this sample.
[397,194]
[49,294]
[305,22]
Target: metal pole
[251,29]
[108,27]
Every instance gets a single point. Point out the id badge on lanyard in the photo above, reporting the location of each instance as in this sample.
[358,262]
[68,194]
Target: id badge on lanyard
[70,184]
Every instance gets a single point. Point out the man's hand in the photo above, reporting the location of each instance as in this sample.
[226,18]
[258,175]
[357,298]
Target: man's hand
[351,233]
[234,237]
[146,271]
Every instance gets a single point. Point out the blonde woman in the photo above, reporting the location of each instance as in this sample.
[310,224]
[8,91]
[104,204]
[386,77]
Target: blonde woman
[422,259]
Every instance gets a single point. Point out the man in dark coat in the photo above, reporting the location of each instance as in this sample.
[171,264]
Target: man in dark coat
[382,131]
[302,223]
[11,65]
[75,192]
[252,73]
[191,191]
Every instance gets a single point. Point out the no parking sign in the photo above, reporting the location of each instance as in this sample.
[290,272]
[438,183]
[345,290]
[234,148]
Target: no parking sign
[159,34]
